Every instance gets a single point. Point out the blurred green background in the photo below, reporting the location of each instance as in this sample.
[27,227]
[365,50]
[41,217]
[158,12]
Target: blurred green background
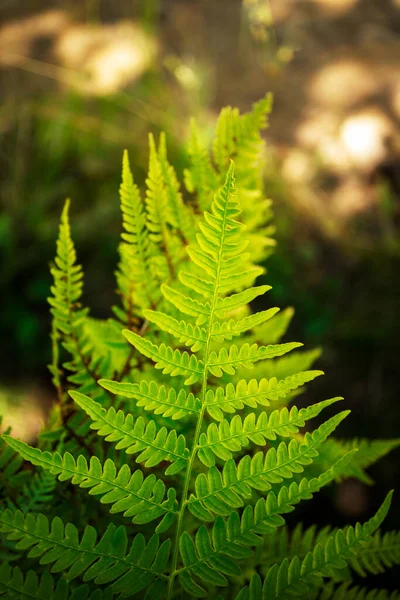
[82,80]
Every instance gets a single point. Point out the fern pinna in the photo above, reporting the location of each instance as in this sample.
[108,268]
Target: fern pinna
[196,462]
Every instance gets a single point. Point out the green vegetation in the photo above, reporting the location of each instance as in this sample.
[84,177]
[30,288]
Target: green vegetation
[175,451]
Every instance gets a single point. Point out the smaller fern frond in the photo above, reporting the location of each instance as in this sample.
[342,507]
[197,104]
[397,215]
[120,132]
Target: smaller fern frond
[347,591]
[369,452]
[152,444]
[37,493]
[200,178]
[253,392]
[142,499]
[104,561]
[179,214]
[14,585]
[383,552]
[138,290]
[68,280]
[295,577]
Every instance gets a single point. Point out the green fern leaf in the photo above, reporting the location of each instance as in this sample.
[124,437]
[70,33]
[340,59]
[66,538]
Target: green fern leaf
[191,335]
[348,592]
[245,356]
[299,578]
[220,492]
[14,585]
[383,552]
[200,178]
[138,497]
[151,396]
[135,437]
[172,362]
[103,561]
[232,436]
[136,287]
[253,392]
[231,539]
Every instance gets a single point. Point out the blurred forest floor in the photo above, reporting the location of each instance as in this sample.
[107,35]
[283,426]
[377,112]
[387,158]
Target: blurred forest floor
[81,80]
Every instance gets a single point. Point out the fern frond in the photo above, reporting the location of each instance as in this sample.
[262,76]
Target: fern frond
[229,437]
[192,336]
[383,552]
[228,329]
[144,499]
[253,392]
[346,591]
[135,437]
[68,281]
[172,362]
[37,493]
[273,330]
[369,452]
[104,561]
[200,177]
[138,290]
[245,356]
[187,305]
[179,214]
[297,577]
[166,251]
[220,492]
[163,401]
[14,585]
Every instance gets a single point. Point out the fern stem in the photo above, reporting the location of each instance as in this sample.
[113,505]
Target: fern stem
[195,447]
[183,502]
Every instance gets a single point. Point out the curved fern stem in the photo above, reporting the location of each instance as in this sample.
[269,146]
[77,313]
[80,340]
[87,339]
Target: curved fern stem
[229,188]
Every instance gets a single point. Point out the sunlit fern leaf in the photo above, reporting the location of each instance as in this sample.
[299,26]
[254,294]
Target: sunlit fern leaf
[234,301]
[253,392]
[369,452]
[245,356]
[172,362]
[68,281]
[180,214]
[139,498]
[200,177]
[230,437]
[107,560]
[166,246]
[187,305]
[228,329]
[157,398]
[382,552]
[219,492]
[295,577]
[274,329]
[153,444]
[190,335]
[137,289]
